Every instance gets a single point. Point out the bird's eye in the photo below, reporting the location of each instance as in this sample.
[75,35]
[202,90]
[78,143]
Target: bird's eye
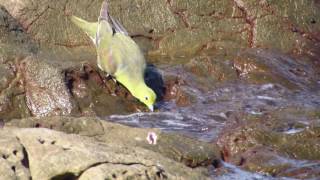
[146,98]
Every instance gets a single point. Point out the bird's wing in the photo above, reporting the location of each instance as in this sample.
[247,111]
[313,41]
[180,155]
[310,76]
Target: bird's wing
[130,57]
[118,27]
[119,53]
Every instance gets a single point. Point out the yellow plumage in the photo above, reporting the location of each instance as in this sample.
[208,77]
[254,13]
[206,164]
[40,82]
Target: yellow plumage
[118,54]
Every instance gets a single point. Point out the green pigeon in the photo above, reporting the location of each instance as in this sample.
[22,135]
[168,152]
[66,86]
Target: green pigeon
[118,55]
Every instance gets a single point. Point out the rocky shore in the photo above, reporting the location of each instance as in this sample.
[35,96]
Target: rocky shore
[238,82]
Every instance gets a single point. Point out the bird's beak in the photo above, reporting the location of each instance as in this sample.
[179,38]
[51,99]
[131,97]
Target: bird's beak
[151,108]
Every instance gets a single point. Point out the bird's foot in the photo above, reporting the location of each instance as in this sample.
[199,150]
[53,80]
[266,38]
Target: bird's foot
[108,77]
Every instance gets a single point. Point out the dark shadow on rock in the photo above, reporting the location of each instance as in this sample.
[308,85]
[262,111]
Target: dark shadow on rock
[25,160]
[154,80]
[1,123]
[66,176]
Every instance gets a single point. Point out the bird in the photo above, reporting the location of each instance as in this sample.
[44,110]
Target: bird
[118,54]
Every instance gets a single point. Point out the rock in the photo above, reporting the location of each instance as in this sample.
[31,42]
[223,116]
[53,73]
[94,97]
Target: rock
[211,69]
[14,162]
[83,126]
[46,92]
[291,145]
[12,98]
[34,87]
[14,39]
[174,91]
[266,145]
[303,171]
[264,159]
[114,171]
[185,27]
[6,76]
[261,67]
[182,149]
[6,171]
[14,44]
[56,155]
[248,70]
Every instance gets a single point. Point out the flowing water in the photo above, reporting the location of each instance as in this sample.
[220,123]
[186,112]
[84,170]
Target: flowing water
[208,114]
[205,118]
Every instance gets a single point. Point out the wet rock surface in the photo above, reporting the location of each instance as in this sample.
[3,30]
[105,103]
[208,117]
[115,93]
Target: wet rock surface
[46,93]
[243,75]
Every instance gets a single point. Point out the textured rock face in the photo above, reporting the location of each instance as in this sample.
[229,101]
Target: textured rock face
[261,67]
[31,87]
[178,27]
[260,144]
[102,151]
[182,149]
[75,155]
[14,162]
[245,73]
[46,92]
[13,37]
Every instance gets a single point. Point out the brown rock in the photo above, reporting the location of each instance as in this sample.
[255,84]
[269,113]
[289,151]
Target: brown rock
[46,92]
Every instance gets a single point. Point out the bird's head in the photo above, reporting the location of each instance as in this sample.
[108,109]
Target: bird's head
[146,96]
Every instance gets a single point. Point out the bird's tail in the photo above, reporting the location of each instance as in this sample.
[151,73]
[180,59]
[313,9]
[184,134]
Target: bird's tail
[104,28]
[90,28]
[104,12]
[114,24]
